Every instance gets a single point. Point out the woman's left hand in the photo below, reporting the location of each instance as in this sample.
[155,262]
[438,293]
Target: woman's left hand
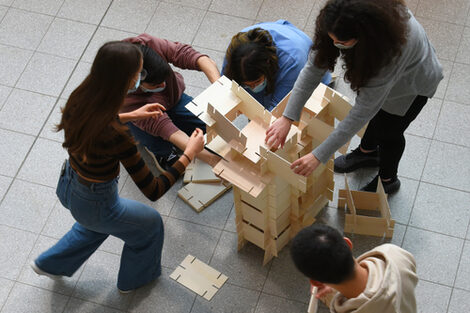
[150,110]
[305,165]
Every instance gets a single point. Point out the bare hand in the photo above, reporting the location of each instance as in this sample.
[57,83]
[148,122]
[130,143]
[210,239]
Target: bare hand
[195,143]
[322,290]
[150,110]
[277,132]
[305,165]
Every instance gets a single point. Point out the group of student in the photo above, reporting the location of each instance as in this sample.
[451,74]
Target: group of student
[132,95]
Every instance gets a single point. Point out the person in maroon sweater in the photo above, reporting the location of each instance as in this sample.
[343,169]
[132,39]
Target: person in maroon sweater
[164,86]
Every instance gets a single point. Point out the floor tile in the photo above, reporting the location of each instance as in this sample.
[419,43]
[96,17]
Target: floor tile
[230,225]
[214,215]
[78,76]
[27,206]
[63,286]
[43,164]
[46,74]
[193,91]
[309,27]
[453,122]
[459,87]
[432,298]
[4,184]
[201,4]
[183,238]
[431,250]
[132,16]
[24,298]
[463,275]
[98,282]
[101,36]
[459,302]
[175,22]
[414,157]
[5,288]
[245,267]
[23,29]
[272,10]
[271,304]
[165,294]
[59,222]
[398,234]
[66,38]
[463,55]
[285,280]
[229,299]
[456,170]
[14,149]
[15,246]
[401,202]
[88,11]
[6,2]
[441,210]
[425,123]
[333,217]
[12,62]
[112,245]
[4,93]
[452,11]
[217,30]
[3,11]
[50,7]
[30,108]
[48,130]
[447,67]
[242,8]
[445,37]
[79,306]
[365,243]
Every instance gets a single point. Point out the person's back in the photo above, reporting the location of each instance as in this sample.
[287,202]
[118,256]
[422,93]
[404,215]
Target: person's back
[381,280]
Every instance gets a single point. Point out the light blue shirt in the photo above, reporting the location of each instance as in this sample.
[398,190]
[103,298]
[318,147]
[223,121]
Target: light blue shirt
[292,48]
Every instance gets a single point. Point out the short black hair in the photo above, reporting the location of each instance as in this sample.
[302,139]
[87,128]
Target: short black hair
[320,253]
[157,68]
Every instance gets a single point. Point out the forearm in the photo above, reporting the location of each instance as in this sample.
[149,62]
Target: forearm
[208,66]
[180,139]
[127,117]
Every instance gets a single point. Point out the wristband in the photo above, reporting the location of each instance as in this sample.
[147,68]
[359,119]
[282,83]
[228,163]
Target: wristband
[186,156]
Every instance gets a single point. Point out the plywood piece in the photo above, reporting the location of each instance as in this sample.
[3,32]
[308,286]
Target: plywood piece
[249,106]
[225,128]
[281,167]
[255,132]
[218,145]
[199,277]
[200,195]
[199,172]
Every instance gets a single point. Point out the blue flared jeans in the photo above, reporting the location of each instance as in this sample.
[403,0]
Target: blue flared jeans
[100,212]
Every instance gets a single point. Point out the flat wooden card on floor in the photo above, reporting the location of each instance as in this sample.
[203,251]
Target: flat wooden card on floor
[199,172]
[201,195]
[198,277]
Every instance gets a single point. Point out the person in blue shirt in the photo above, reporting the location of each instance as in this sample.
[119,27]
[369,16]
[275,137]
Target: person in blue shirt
[266,59]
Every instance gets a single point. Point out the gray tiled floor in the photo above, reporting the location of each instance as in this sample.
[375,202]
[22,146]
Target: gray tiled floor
[46,49]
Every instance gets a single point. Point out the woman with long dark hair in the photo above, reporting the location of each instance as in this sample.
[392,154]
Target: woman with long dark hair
[97,141]
[391,65]
[266,59]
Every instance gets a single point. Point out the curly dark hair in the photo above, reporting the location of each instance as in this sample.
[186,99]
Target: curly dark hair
[379,26]
[250,55]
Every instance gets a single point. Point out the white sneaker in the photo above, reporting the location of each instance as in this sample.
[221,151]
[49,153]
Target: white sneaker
[40,272]
[125,291]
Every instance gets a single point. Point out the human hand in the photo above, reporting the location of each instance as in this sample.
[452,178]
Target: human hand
[150,110]
[322,289]
[305,165]
[195,143]
[277,132]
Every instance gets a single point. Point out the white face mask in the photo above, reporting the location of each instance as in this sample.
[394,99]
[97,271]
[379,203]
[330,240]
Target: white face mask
[159,89]
[343,47]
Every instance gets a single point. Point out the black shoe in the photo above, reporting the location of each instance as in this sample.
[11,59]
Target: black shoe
[164,163]
[356,159]
[390,187]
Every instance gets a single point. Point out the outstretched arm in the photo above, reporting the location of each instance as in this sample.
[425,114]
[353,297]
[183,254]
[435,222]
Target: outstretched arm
[209,67]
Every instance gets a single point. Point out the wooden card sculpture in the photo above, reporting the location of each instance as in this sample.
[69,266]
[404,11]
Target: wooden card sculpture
[272,203]
[376,202]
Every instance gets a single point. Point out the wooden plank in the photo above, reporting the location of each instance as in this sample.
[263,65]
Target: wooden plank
[253,235]
[200,195]
[282,168]
[199,277]
[281,106]
[199,172]
[225,128]
[249,106]
[255,132]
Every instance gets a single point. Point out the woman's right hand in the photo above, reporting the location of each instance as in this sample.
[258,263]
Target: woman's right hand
[195,143]
[277,132]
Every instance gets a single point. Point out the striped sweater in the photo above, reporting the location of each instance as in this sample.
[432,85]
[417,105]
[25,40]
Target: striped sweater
[114,147]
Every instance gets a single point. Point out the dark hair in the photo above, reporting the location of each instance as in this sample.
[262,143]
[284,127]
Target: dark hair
[320,253]
[157,68]
[250,55]
[380,27]
[94,105]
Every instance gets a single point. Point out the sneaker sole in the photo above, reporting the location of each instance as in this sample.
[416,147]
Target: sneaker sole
[40,272]
[157,165]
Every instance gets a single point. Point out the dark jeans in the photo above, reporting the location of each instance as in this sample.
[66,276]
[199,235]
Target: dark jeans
[181,117]
[386,131]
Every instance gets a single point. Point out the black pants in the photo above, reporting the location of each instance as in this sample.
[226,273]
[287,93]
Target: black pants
[386,131]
